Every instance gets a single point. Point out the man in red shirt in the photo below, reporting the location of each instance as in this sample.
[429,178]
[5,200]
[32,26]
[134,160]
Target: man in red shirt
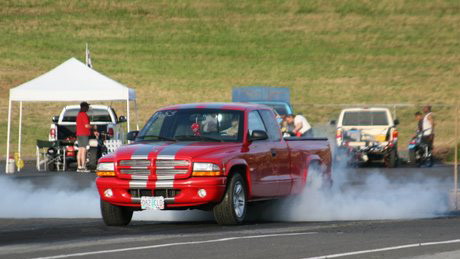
[83,133]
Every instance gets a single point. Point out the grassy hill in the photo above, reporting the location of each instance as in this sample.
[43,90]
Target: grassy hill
[327,52]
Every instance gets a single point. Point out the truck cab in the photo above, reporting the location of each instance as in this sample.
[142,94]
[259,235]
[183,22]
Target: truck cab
[367,134]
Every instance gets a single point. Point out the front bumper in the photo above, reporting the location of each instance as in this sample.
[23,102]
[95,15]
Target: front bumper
[179,193]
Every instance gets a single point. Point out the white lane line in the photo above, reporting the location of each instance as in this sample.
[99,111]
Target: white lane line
[173,244]
[385,249]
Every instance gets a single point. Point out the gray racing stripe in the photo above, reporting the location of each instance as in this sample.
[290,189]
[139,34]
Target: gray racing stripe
[137,184]
[172,149]
[164,184]
[144,151]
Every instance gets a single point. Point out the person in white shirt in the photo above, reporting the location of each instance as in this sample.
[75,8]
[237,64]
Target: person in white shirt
[428,127]
[301,125]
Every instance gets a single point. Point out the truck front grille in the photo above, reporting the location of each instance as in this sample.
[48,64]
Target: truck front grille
[165,169]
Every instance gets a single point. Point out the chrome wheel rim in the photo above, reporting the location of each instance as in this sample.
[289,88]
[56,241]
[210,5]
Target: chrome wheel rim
[239,199]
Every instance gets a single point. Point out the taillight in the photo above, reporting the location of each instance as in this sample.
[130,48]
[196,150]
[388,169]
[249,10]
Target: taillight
[394,135]
[70,151]
[53,133]
[338,134]
[110,132]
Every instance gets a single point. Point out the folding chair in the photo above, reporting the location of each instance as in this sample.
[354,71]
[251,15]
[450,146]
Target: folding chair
[58,161]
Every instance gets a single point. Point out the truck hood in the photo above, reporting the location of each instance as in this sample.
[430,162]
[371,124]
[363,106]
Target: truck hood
[174,150]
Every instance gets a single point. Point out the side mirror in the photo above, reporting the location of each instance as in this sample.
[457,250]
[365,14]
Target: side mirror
[396,122]
[332,123]
[131,136]
[121,119]
[55,119]
[258,135]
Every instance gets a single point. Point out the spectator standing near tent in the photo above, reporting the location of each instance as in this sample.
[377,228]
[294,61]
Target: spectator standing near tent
[83,133]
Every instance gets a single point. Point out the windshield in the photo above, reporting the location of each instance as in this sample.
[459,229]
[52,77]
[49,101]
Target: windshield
[365,118]
[194,125]
[95,115]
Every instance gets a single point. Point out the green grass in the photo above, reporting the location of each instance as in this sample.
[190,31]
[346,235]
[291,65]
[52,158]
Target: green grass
[187,51]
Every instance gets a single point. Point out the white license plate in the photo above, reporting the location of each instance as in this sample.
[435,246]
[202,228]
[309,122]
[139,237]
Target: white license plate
[152,203]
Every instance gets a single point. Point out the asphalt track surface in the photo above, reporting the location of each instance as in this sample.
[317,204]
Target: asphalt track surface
[437,237]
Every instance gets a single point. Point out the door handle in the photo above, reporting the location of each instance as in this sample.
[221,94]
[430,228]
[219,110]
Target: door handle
[273,153]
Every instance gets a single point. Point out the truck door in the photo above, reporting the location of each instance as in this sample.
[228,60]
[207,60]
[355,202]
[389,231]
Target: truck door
[279,152]
[264,182]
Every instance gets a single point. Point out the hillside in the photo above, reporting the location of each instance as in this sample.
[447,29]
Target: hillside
[327,52]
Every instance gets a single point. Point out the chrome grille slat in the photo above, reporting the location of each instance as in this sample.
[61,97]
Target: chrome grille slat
[131,171]
[171,171]
[143,163]
[164,163]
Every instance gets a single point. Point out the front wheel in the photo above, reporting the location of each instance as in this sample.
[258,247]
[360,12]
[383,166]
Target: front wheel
[115,215]
[232,209]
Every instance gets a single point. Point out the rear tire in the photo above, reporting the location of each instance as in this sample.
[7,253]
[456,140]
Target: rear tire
[232,209]
[115,215]
[92,158]
[412,159]
[392,160]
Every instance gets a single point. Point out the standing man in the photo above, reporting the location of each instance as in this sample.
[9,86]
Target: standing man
[83,133]
[428,127]
[301,125]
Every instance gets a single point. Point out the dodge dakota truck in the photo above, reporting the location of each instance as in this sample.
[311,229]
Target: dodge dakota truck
[209,156]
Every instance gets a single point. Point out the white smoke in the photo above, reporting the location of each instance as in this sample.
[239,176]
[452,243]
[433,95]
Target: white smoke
[367,196]
[57,199]
[60,197]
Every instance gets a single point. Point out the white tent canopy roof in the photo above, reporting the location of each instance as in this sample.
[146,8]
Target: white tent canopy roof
[72,81]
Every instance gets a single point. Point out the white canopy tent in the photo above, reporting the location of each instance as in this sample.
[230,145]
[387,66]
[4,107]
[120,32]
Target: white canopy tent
[71,81]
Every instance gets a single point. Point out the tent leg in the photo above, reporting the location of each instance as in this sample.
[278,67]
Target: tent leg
[20,132]
[8,137]
[137,118]
[127,113]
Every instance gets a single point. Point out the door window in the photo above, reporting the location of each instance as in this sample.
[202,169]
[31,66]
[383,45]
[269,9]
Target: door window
[272,125]
[255,122]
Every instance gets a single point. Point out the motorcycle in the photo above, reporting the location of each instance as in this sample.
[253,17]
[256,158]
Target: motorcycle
[419,152]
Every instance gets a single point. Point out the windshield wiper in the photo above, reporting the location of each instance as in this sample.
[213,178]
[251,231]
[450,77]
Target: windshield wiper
[201,137]
[158,137]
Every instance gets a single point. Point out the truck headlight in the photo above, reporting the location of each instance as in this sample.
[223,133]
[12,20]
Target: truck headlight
[105,169]
[206,169]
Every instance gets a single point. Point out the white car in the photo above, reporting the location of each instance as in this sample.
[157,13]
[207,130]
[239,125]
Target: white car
[367,134]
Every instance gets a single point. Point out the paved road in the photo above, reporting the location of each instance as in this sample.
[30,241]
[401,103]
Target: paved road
[434,237]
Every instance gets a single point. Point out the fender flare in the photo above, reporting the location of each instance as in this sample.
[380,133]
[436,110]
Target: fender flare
[240,162]
[312,158]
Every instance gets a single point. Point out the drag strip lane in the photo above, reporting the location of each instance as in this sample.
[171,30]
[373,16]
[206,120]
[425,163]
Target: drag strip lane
[384,249]
[174,244]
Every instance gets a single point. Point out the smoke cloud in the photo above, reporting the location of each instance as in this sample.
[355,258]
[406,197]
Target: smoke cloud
[61,197]
[368,196]
[58,198]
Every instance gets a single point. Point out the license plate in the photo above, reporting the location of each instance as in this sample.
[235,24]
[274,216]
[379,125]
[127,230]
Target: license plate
[152,203]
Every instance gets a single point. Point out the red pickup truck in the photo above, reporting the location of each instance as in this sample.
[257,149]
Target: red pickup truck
[210,156]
